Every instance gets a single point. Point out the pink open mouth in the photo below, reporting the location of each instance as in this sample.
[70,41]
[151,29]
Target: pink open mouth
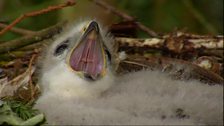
[88,55]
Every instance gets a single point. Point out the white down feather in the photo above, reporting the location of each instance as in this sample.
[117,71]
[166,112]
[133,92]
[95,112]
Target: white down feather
[144,97]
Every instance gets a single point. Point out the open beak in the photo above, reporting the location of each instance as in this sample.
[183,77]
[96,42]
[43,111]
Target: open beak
[88,56]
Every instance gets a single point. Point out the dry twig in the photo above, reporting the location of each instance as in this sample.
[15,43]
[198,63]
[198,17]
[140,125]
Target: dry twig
[13,85]
[35,13]
[30,76]
[18,30]
[30,39]
[185,43]
[125,16]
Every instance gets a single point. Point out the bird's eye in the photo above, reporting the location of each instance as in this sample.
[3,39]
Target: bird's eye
[108,54]
[61,48]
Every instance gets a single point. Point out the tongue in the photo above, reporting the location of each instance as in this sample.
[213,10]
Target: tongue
[87,57]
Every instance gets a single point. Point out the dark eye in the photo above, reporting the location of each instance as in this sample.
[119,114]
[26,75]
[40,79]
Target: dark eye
[108,54]
[61,48]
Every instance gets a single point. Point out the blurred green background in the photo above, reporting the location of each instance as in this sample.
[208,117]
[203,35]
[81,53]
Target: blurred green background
[163,16]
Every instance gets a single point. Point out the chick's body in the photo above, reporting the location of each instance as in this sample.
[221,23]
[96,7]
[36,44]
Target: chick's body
[145,97]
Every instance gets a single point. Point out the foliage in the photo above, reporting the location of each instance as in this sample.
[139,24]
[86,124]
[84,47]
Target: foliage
[24,111]
[166,15]
[160,15]
[17,113]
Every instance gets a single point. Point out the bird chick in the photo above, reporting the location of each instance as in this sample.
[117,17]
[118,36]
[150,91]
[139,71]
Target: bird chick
[77,62]
[79,88]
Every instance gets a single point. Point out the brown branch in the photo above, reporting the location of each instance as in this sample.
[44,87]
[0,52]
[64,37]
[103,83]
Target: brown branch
[35,13]
[30,76]
[12,86]
[34,46]
[125,16]
[18,30]
[14,55]
[30,39]
[177,44]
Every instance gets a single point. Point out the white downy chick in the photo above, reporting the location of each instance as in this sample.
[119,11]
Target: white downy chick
[78,88]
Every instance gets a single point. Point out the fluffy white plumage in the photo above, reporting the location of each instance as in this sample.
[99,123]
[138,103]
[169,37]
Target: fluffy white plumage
[145,97]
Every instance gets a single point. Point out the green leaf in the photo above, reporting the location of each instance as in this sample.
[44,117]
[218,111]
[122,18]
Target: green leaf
[17,113]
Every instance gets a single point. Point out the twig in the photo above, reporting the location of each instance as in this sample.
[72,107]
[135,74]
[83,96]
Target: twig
[125,16]
[185,42]
[30,76]
[18,30]
[14,54]
[34,46]
[12,86]
[199,16]
[35,13]
[30,39]
[3,83]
